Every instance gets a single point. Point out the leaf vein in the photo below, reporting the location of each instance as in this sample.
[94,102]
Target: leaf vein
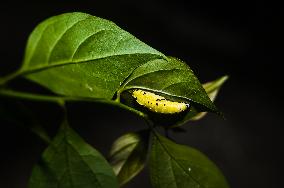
[60,38]
[83,41]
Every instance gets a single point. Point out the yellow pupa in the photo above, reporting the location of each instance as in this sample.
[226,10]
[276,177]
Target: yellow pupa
[157,103]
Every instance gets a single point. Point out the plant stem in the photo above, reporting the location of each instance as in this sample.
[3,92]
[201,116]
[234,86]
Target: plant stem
[61,99]
[29,96]
[10,77]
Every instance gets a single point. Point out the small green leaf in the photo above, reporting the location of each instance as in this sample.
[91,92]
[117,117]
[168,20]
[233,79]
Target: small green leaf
[178,166]
[128,155]
[212,89]
[69,162]
[170,77]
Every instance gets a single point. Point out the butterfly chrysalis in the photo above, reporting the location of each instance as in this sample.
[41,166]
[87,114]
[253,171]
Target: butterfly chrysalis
[159,104]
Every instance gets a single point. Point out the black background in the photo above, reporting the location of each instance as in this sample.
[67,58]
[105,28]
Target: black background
[237,38]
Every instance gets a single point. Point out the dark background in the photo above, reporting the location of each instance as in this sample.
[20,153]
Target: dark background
[237,38]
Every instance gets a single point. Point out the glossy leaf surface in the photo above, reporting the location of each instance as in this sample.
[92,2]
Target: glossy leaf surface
[69,162]
[77,54]
[170,77]
[178,166]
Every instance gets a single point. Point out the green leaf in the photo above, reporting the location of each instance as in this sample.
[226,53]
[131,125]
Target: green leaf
[178,166]
[128,155]
[170,77]
[69,162]
[212,89]
[76,54]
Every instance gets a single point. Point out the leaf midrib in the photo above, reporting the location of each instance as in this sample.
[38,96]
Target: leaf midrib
[26,71]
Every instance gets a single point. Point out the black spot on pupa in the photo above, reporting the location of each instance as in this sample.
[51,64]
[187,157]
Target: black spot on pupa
[164,104]
[157,104]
